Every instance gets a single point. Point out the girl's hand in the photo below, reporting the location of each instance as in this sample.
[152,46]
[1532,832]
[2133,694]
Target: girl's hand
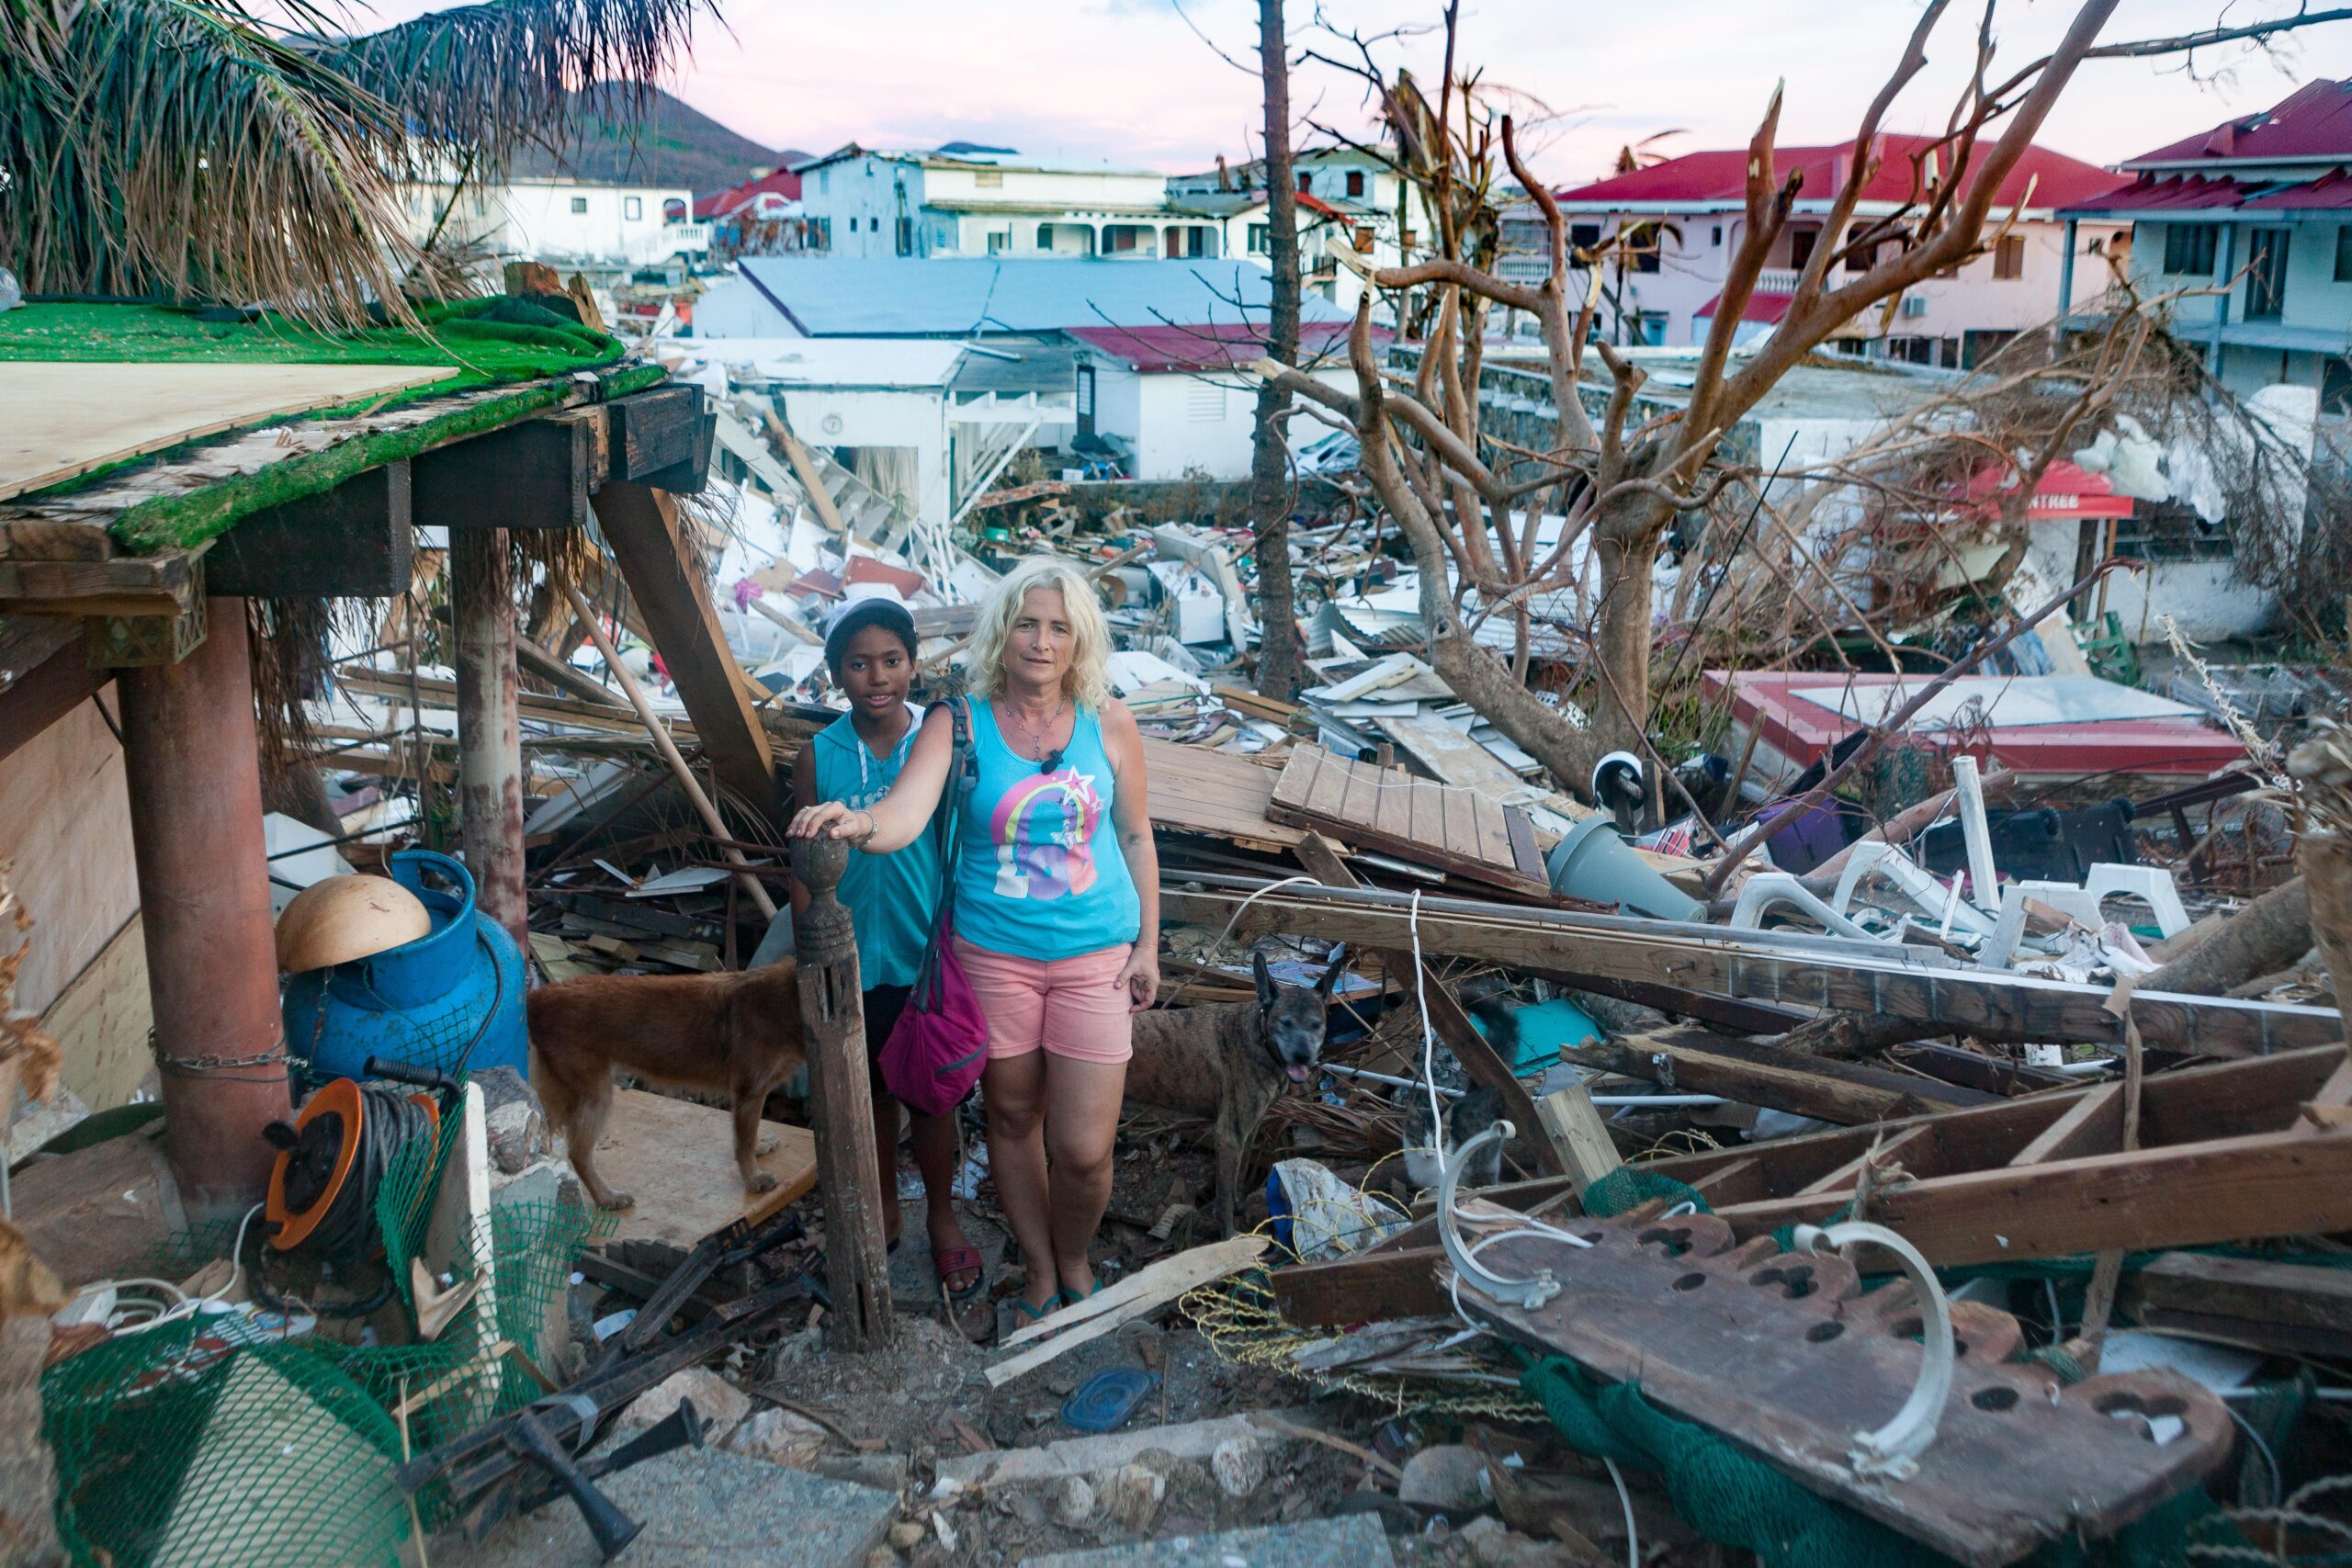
[1141,977]
[830,819]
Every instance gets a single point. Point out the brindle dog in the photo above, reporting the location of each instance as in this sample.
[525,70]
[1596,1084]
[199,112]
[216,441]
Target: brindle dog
[1229,1062]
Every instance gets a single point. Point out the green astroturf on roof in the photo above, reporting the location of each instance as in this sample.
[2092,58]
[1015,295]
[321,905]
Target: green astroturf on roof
[489,341]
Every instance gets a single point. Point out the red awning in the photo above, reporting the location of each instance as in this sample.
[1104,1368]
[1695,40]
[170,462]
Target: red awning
[1761,307]
[2066,491]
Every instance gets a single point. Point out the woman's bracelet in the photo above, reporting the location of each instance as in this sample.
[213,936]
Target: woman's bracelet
[872,827]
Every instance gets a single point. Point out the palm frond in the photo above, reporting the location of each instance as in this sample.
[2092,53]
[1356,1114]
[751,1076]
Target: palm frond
[495,77]
[184,149]
[174,148]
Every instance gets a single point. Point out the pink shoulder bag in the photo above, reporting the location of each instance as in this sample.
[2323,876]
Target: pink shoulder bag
[940,1043]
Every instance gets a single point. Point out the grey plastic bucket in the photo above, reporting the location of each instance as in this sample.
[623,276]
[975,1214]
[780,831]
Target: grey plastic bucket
[1593,862]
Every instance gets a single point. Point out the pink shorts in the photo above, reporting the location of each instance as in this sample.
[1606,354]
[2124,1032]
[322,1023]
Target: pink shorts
[1069,1007]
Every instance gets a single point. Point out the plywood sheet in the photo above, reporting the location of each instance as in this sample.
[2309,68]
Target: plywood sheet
[678,1160]
[1458,831]
[1196,790]
[58,420]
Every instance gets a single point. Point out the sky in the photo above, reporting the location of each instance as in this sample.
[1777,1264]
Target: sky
[1133,84]
[1130,83]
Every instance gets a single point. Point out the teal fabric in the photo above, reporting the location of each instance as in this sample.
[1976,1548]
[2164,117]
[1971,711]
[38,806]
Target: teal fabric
[1040,874]
[889,897]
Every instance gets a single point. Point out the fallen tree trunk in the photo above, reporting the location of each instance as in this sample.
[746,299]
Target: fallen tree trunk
[2266,935]
[2326,860]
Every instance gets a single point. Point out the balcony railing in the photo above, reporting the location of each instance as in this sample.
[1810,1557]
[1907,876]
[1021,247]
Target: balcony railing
[1776,281]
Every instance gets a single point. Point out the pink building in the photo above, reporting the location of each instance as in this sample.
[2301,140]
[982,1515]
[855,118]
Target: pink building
[1679,223]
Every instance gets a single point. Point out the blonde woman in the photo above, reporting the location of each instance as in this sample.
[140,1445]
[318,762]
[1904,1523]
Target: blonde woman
[1056,903]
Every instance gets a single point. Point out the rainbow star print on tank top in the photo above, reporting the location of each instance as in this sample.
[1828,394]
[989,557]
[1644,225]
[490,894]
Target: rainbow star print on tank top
[1043,830]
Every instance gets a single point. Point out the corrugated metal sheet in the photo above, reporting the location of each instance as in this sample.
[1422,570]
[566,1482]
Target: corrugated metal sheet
[849,296]
[2315,121]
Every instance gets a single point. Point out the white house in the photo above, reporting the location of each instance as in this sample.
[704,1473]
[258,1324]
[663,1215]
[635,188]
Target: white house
[565,223]
[1347,197]
[1180,398]
[963,200]
[2255,215]
[1673,228]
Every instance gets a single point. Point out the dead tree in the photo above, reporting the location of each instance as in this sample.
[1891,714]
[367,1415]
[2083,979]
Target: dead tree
[1471,508]
[1269,480]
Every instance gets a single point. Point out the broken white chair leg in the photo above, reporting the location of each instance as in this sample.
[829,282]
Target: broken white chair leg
[1908,878]
[1968,797]
[1892,1450]
[1770,889]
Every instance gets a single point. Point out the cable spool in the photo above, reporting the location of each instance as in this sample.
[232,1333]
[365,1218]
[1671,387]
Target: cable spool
[338,1224]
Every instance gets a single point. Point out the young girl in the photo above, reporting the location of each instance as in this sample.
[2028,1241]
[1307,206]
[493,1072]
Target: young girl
[871,649]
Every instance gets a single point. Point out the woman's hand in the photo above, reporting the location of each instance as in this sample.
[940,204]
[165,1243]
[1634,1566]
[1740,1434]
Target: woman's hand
[830,819]
[1141,977]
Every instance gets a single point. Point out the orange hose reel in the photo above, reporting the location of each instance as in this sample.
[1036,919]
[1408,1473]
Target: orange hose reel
[291,1228]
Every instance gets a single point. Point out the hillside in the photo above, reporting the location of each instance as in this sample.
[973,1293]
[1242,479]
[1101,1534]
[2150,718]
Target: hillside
[667,143]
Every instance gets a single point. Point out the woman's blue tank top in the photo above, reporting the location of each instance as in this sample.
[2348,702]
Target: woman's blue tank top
[1038,873]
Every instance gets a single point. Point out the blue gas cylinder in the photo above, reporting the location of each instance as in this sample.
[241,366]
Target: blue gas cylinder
[451,1000]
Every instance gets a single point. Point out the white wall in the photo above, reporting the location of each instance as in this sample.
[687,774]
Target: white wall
[1182,423]
[861,200]
[619,223]
[910,417]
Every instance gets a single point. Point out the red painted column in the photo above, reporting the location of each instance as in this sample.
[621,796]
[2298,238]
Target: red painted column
[194,767]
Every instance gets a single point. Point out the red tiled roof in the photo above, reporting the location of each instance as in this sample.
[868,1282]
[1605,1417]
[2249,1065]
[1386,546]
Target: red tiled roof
[1761,307]
[2332,191]
[1221,346]
[1722,175]
[2159,192]
[2315,121]
[781,182]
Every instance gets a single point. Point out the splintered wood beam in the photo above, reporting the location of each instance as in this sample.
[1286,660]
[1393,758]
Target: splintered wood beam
[667,581]
[1817,971]
[353,541]
[535,476]
[1453,1026]
[1692,1061]
[832,1025]
[43,675]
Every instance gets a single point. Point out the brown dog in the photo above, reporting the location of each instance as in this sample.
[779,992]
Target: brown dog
[1229,1062]
[738,1032]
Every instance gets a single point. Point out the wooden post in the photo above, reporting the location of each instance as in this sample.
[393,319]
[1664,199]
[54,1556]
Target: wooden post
[193,765]
[490,744]
[1580,1132]
[833,1023]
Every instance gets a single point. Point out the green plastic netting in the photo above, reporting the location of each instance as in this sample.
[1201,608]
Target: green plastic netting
[182,1446]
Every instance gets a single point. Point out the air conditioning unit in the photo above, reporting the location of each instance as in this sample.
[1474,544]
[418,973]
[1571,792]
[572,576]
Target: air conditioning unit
[1914,305]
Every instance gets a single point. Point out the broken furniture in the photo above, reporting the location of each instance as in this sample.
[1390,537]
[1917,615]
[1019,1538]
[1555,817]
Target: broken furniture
[2226,1152]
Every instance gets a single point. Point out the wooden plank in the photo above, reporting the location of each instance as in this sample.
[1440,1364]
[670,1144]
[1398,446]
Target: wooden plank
[160,584]
[672,592]
[61,421]
[1453,758]
[535,476]
[1726,1337]
[678,1159]
[1904,982]
[355,541]
[43,675]
[1848,1176]
[1580,1134]
[1196,790]
[1695,1062]
[2092,1125]
[1133,1296]
[2289,1308]
[1391,811]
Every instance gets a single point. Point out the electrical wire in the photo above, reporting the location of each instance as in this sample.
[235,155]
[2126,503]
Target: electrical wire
[1235,920]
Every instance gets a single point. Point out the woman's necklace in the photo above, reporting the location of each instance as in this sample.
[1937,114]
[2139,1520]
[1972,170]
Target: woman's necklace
[1044,753]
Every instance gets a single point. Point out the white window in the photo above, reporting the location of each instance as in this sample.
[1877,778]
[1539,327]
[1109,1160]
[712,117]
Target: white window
[1258,239]
[633,207]
[1205,402]
[989,179]
[1000,241]
[578,204]
[825,181]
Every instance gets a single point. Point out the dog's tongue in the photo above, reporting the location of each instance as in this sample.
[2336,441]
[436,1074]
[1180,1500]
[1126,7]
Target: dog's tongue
[1297,1073]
